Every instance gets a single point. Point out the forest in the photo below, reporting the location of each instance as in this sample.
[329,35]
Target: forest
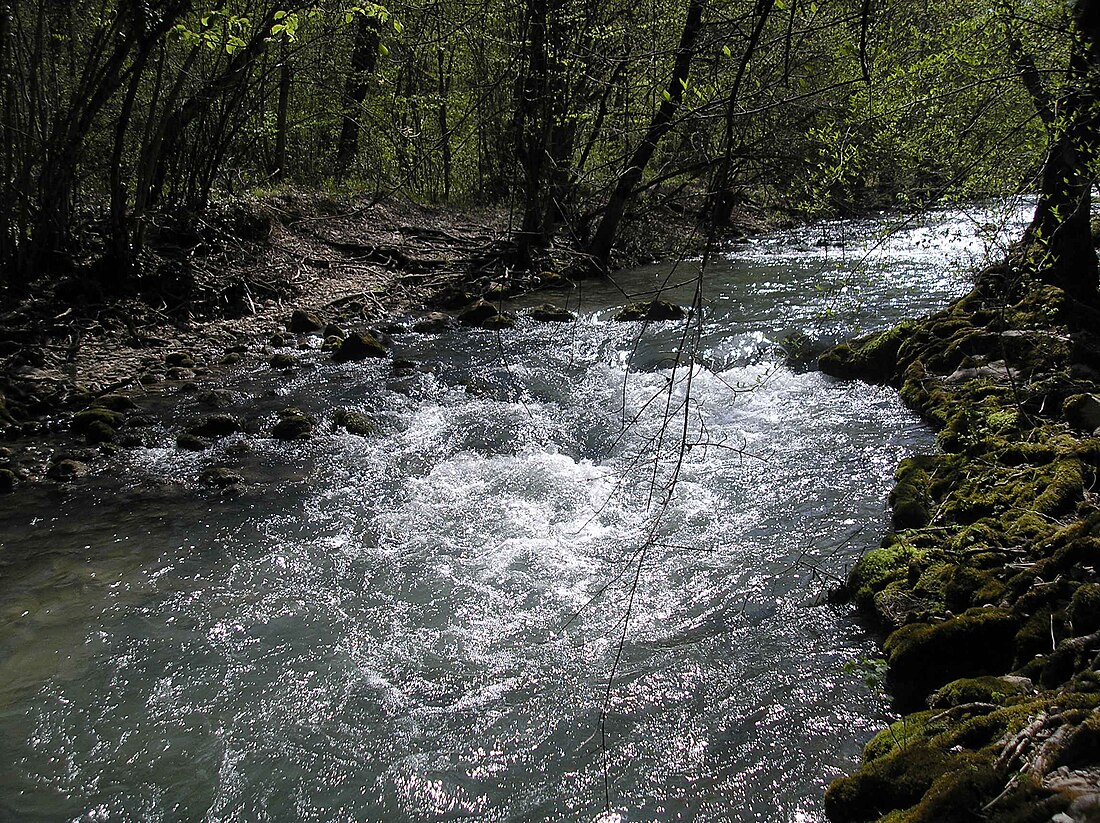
[120,122]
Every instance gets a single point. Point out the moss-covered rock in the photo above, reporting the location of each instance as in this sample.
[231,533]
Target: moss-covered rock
[355,422]
[305,322]
[653,311]
[1084,609]
[549,313]
[873,358]
[7,481]
[293,424]
[213,426]
[85,420]
[359,346]
[989,689]
[924,656]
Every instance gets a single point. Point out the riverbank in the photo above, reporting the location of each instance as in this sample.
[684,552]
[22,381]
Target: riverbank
[227,293]
[988,588]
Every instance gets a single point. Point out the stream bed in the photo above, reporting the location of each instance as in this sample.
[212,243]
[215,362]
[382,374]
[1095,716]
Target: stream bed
[579,572]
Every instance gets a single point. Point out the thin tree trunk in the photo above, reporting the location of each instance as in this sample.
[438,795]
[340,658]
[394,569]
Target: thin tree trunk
[631,175]
[364,60]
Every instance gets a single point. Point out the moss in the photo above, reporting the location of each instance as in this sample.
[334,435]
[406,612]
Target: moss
[986,689]
[910,498]
[959,793]
[1084,609]
[924,656]
[876,569]
[83,421]
[895,781]
[654,310]
[873,358]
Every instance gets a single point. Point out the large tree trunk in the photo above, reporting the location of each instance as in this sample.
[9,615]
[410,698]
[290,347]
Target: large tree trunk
[1059,239]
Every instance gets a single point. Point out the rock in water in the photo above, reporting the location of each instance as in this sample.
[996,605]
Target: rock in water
[477,313]
[653,311]
[358,346]
[355,422]
[305,322]
[294,424]
[434,323]
[549,313]
[215,425]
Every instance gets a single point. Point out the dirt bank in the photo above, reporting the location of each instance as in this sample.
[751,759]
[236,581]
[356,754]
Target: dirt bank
[988,589]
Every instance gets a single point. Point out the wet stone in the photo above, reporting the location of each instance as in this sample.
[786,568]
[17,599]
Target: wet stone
[192,443]
[654,310]
[282,361]
[215,425]
[549,313]
[179,360]
[355,422]
[68,469]
[436,322]
[220,477]
[115,402]
[305,322]
[7,481]
[359,346]
[294,424]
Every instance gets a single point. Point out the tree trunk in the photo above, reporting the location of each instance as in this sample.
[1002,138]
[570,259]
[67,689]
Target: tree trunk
[1059,239]
[364,60]
[631,175]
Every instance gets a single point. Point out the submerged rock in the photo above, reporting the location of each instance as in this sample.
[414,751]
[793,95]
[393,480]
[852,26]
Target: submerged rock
[67,469]
[7,481]
[220,477]
[653,311]
[359,346]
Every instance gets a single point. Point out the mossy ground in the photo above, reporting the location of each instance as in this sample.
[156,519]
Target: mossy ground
[993,567]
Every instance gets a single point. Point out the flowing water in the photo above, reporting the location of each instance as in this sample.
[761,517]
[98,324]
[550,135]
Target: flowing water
[520,599]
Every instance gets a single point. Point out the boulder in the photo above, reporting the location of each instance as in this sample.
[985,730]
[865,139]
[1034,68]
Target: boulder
[355,422]
[220,477]
[115,402]
[281,361]
[1082,411]
[477,313]
[654,310]
[85,420]
[294,424]
[358,346]
[7,481]
[179,359]
[549,313]
[67,469]
[191,443]
[214,426]
[305,322]
[435,322]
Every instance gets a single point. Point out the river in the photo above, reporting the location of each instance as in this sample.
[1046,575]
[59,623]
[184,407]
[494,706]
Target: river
[579,573]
